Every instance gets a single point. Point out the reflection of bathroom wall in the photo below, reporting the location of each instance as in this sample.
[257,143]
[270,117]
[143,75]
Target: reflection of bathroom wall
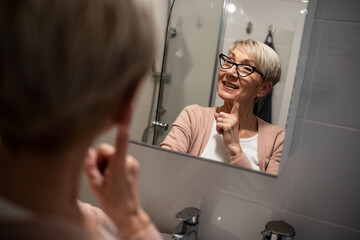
[286,16]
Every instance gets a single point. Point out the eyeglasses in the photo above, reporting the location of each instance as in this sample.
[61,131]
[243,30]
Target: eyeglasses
[242,69]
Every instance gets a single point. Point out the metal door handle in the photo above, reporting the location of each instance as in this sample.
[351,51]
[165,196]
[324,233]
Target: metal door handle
[165,126]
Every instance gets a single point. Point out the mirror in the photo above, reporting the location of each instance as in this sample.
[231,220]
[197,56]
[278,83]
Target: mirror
[195,32]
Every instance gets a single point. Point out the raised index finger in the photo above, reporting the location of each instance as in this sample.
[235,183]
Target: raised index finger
[122,137]
[236,105]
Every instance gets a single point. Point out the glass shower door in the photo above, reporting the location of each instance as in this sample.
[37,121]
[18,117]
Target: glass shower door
[190,54]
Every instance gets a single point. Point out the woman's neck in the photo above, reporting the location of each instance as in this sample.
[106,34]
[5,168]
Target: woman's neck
[44,184]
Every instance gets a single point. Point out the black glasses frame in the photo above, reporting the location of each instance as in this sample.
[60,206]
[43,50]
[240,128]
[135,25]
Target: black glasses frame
[222,56]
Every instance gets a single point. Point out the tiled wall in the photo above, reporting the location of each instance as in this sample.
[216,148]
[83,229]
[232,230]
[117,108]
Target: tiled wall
[317,191]
[325,193]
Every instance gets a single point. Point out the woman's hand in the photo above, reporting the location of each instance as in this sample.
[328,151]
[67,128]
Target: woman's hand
[113,177]
[227,125]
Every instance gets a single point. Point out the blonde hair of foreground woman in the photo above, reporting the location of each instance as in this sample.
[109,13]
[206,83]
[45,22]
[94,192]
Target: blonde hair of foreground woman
[65,67]
[68,71]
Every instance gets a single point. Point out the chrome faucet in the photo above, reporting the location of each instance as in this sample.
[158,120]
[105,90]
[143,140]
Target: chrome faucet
[187,229]
[278,230]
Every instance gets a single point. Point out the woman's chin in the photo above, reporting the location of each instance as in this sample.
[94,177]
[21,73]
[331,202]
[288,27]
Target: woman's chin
[227,96]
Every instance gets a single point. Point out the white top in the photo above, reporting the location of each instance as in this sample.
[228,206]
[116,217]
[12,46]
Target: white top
[216,151]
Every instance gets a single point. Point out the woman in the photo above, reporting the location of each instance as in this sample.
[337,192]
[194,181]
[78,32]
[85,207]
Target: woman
[231,133]
[69,70]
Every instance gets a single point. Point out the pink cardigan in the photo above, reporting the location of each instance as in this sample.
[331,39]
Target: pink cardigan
[191,131]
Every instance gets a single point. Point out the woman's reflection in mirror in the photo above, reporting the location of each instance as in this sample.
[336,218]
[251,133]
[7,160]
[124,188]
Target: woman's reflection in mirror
[231,133]
[69,70]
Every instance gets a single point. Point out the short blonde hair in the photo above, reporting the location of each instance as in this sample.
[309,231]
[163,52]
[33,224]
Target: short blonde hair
[265,58]
[66,65]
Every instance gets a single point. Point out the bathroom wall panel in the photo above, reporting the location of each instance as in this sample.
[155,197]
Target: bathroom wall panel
[230,181]
[162,201]
[222,217]
[308,228]
[344,10]
[321,10]
[232,218]
[181,167]
[327,175]
[335,94]
[170,182]
[291,161]
[311,68]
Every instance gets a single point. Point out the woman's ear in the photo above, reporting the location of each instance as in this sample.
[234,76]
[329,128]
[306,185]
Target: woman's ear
[265,88]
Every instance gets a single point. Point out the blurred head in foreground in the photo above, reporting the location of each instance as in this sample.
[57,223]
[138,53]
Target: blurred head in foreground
[67,68]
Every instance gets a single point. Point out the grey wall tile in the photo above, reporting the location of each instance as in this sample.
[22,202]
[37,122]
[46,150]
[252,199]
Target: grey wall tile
[240,183]
[312,229]
[162,198]
[346,10]
[335,94]
[311,66]
[224,217]
[327,175]
[321,9]
[290,162]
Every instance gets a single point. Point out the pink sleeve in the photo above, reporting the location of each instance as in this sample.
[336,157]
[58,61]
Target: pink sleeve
[241,160]
[274,161]
[179,137]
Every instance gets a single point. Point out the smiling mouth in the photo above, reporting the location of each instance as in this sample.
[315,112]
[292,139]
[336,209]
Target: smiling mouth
[230,85]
